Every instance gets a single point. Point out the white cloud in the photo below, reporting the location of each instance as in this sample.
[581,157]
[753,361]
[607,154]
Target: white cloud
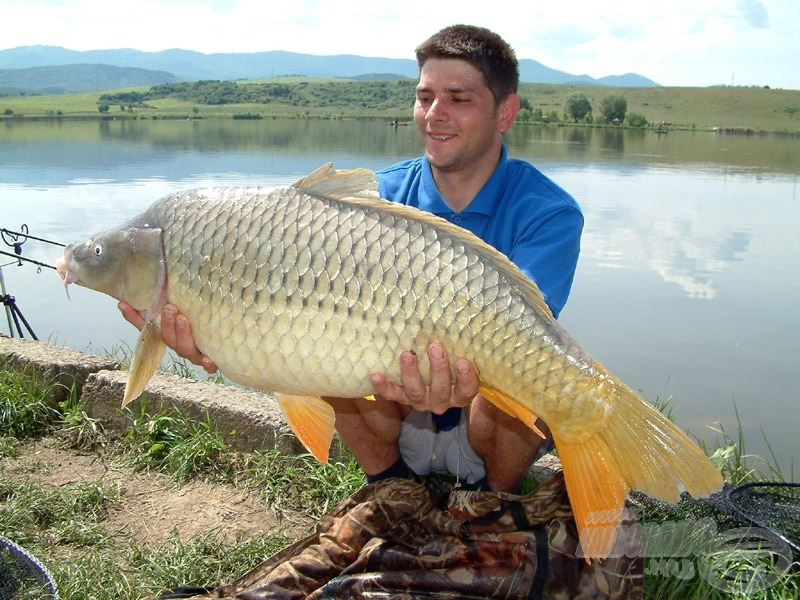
[754,12]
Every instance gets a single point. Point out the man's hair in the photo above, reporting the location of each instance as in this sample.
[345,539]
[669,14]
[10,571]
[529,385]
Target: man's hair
[484,49]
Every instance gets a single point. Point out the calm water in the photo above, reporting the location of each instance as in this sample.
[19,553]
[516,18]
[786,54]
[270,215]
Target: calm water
[687,285]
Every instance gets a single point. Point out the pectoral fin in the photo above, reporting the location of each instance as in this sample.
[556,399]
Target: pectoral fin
[512,408]
[147,356]
[312,420]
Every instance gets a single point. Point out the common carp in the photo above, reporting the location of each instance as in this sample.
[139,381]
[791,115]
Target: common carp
[307,290]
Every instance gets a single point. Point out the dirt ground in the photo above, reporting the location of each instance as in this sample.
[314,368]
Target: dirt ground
[152,507]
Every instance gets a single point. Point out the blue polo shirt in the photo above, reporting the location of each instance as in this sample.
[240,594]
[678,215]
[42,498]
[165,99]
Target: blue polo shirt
[519,211]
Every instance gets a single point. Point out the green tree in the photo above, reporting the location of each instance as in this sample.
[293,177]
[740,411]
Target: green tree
[103,108]
[613,107]
[524,115]
[577,106]
[636,120]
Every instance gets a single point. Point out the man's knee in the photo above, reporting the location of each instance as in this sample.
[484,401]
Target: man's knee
[506,445]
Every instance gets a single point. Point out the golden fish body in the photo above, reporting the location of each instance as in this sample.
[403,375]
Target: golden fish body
[294,293]
[308,290]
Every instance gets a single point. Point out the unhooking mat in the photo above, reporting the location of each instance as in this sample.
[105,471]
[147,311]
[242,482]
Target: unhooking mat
[401,539]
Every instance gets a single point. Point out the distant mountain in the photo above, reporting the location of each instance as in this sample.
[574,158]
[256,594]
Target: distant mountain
[65,79]
[194,66]
[532,71]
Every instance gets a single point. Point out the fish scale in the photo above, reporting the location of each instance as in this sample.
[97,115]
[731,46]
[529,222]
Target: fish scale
[327,294]
[307,290]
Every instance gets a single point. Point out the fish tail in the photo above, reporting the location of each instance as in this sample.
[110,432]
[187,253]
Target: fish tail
[639,448]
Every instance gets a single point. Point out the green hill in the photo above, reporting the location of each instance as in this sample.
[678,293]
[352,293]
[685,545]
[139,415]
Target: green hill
[66,79]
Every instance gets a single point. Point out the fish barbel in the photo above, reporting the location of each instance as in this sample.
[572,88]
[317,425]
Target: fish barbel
[307,290]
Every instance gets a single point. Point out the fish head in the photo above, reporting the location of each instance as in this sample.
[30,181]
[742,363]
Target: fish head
[126,263]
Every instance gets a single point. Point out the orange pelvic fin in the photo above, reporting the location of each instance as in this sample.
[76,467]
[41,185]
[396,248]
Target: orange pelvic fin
[639,448]
[511,407]
[312,420]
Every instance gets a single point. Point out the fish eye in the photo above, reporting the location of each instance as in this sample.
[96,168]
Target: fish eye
[98,250]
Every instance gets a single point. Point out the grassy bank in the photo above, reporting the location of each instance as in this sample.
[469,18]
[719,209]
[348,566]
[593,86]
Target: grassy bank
[736,108]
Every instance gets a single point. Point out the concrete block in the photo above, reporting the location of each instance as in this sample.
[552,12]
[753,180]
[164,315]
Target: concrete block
[248,420]
[51,365]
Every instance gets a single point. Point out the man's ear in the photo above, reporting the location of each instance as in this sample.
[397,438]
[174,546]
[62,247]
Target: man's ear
[507,112]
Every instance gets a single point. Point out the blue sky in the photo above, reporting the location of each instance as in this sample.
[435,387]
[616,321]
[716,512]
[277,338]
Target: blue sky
[676,43]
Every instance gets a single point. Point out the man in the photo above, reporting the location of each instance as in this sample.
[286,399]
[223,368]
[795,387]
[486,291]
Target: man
[466,99]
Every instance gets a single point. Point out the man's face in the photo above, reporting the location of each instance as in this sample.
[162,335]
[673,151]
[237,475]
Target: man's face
[456,116]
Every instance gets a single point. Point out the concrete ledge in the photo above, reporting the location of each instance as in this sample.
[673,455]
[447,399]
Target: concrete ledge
[248,420]
[53,365]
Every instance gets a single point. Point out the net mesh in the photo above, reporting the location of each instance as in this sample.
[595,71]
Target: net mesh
[22,576]
[773,506]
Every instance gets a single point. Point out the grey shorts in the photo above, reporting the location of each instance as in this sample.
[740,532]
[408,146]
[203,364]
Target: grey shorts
[426,450]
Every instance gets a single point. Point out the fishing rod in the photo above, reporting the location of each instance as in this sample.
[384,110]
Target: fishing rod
[16,239]
[22,258]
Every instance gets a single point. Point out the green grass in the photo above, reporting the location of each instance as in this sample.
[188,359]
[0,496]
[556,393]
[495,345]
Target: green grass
[702,108]
[63,526]
[24,410]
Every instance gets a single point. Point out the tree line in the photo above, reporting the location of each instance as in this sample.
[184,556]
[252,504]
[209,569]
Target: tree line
[613,109]
[378,95]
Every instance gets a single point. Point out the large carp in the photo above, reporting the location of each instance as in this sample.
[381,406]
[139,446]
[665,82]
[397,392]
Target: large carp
[309,289]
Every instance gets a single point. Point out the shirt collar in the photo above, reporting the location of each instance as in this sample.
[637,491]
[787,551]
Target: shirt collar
[483,203]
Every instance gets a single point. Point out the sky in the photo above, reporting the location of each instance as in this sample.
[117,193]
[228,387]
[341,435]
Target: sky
[676,43]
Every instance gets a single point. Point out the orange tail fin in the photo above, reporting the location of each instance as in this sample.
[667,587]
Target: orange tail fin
[638,449]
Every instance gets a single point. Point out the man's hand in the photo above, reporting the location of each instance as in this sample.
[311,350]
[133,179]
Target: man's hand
[175,331]
[441,394]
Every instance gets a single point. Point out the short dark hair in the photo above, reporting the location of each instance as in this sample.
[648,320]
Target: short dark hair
[484,49]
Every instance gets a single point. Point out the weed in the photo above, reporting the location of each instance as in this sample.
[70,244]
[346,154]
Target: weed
[300,482]
[24,411]
[183,448]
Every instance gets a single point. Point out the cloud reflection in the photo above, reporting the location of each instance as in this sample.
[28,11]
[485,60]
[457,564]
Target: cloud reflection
[677,240]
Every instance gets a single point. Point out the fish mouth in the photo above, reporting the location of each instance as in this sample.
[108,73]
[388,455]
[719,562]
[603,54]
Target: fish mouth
[68,276]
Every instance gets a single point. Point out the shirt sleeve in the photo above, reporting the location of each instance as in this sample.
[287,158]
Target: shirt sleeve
[548,254]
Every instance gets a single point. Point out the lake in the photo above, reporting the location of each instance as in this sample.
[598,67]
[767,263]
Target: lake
[687,285]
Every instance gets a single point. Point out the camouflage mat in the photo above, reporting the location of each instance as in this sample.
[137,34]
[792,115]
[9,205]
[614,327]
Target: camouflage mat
[400,539]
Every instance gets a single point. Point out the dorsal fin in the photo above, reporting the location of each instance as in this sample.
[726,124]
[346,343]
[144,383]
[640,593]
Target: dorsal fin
[339,185]
[360,187]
